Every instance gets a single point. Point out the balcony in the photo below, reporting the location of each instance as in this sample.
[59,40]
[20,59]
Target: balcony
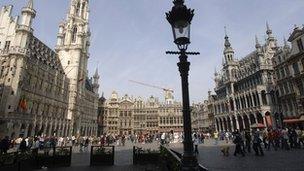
[14,50]
[24,28]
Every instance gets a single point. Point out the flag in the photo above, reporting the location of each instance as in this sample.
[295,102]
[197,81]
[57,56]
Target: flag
[80,80]
[23,104]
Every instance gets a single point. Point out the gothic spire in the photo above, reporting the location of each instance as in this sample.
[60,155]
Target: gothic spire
[285,42]
[286,46]
[257,44]
[28,14]
[227,43]
[30,4]
[268,31]
[96,75]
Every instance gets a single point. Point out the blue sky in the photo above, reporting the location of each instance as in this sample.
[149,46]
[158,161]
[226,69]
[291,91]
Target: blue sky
[130,37]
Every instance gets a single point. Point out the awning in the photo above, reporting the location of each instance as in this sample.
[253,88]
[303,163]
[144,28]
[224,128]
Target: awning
[301,119]
[258,125]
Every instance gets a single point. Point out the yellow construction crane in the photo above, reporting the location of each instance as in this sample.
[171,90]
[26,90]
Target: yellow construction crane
[168,92]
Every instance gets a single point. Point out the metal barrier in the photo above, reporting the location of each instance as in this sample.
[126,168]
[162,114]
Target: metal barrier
[102,155]
[35,159]
[172,159]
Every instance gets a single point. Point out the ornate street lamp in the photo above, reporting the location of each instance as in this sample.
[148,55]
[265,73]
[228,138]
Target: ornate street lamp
[180,18]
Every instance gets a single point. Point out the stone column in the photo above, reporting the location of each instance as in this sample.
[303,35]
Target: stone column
[260,99]
[242,103]
[26,130]
[231,123]
[246,101]
[237,122]
[64,130]
[18,128]
[45,127]
[217,125]
[264,120]
[269,100]
[50,129]
[54,128]
[243,122]
[250,100]
[256,119]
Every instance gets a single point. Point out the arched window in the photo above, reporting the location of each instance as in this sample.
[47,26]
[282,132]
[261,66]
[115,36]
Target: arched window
[77,8]
[231,104]
[83,9]
[74,34]
[264,99]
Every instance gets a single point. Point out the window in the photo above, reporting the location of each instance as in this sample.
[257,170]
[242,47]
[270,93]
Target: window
[300,87]
[291,87]
[286,88]
[300,45]
[287,70]
[281,90]
[7,45]
[278,74]
[77,8]
[74,34]
[296,68]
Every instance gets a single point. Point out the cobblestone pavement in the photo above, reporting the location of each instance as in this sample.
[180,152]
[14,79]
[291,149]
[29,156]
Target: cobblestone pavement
[209,156]
[123,160]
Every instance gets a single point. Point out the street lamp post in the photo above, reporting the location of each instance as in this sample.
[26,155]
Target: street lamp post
[180,18]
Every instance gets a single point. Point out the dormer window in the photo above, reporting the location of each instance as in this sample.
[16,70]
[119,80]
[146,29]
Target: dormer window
[300,45]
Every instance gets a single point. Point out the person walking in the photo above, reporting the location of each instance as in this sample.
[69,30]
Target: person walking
[123,140]
[215,136]
[248,141]
[22,146]
[196,142]
[4,145]
[301,137]
[238,144]
[36,146]
[227,137]
[202,138]
[257,144]
[285,139]
[265,138]
[162,138]
[271,140]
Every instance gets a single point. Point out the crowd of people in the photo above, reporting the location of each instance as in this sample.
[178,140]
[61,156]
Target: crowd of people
[245,141]
[267,139]
[82,142]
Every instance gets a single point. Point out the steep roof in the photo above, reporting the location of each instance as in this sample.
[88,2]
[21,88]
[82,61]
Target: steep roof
[296,33]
